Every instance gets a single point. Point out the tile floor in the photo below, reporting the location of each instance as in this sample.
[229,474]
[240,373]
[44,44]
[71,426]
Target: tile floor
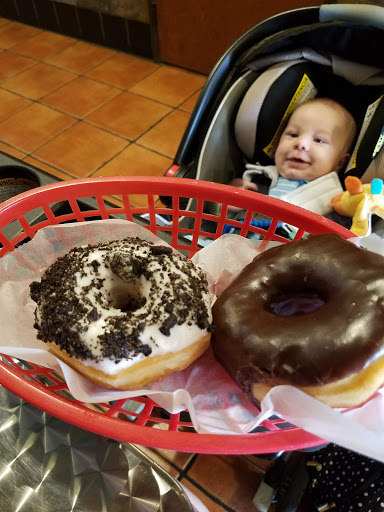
[76,110]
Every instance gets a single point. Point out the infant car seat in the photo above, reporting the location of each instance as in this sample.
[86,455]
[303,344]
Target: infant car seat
[265,108]
[330,50]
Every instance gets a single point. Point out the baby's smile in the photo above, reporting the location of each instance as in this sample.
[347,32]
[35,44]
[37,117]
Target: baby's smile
[298,162]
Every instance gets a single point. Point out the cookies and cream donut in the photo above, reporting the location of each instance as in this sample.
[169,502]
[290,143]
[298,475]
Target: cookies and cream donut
[124,313]
[331,346]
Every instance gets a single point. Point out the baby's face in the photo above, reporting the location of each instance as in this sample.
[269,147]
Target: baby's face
[313,143]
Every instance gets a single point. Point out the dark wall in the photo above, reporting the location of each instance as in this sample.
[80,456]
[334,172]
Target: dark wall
[120,33]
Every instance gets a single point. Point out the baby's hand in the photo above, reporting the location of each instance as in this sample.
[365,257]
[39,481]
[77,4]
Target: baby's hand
[240,183]
[245,185]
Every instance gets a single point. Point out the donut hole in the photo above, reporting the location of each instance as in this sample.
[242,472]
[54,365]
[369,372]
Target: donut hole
[296,302]
[126,297]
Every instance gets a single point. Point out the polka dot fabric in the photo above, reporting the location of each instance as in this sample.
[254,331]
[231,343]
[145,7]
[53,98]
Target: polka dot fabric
[345,481]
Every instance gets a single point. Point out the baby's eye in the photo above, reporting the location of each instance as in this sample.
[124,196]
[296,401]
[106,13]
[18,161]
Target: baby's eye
[292,134]
[319,141]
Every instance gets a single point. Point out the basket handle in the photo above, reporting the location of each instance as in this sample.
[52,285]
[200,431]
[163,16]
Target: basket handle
[353,13]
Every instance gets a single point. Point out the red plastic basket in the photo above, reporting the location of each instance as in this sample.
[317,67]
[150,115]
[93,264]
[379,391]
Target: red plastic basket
[147,424]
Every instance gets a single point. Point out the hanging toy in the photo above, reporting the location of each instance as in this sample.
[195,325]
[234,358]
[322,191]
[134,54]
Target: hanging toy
[360,202]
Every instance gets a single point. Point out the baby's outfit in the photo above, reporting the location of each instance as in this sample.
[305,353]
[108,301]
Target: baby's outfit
[315,195]
[284,186]
[279,186]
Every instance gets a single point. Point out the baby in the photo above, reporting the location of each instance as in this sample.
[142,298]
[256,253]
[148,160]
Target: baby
[315,142]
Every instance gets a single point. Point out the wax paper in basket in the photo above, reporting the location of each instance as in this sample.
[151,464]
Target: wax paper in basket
[215,403]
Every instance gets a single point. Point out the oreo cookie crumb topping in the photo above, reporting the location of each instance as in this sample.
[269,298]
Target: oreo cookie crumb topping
[170,322]
[161,249]
[116,290]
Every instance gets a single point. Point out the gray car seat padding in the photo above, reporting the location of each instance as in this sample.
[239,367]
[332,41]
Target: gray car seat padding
[220,154]
[299,54]
[267,105]
[367,157]
[220,158]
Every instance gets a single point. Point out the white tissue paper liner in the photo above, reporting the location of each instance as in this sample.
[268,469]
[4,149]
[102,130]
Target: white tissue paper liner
[214,401]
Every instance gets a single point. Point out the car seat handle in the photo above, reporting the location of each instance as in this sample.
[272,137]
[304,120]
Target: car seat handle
[353,13]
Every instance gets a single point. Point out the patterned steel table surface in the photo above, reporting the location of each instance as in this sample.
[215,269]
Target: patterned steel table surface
[48,465]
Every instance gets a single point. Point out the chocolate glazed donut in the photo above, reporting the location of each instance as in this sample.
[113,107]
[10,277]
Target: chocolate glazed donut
[326,345]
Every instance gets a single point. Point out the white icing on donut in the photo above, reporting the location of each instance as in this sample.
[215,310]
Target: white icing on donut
[107,277]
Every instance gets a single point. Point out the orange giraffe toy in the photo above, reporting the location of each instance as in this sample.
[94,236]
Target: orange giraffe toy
[360,202]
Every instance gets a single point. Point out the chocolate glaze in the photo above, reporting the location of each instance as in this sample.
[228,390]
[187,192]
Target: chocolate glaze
[339,338]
